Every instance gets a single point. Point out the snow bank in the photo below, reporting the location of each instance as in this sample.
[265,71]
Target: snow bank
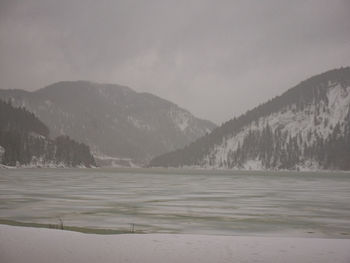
[20,244]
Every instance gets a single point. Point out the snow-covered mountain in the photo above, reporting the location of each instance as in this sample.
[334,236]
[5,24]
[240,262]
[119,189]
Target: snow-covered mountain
[307,127]
[115,121]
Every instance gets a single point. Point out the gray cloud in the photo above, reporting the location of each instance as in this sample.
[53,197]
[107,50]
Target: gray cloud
[215,58]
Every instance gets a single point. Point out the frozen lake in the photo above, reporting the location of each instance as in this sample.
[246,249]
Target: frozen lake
[179,201]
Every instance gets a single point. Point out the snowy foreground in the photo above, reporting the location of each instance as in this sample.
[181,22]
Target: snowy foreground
[21,244]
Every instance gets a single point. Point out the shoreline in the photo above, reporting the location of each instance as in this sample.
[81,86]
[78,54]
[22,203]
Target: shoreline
[128,230]
[172,170]
[27,244]
[77,229]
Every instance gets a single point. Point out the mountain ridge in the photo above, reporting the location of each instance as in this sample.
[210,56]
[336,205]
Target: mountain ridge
[114,120]
[310,95]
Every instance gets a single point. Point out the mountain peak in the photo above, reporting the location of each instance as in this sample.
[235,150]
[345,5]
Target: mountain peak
[81,86]
[307,127]
[113,119]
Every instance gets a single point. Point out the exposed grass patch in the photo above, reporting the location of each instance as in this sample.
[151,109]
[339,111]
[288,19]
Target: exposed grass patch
[69,228]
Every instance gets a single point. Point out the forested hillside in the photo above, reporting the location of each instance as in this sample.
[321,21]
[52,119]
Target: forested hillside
[307,127]
[24,141]
[117,122]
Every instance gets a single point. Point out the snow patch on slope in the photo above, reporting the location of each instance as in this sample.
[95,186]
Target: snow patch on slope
[305,123]
[2,152]
[253,165]
[103,160]
[180,118]
[139,124]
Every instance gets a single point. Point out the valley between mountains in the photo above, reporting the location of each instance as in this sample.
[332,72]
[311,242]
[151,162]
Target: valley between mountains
[305,128]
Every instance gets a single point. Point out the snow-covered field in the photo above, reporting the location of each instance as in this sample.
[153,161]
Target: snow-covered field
[35,245]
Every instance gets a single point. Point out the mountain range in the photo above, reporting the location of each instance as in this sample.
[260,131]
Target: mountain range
[307,127]
[121,126]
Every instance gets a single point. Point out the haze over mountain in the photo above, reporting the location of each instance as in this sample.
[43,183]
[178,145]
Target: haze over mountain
[113,120]
[229,54]
[307,127]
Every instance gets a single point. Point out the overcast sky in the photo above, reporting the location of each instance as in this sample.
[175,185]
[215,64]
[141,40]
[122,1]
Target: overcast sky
[214,58]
